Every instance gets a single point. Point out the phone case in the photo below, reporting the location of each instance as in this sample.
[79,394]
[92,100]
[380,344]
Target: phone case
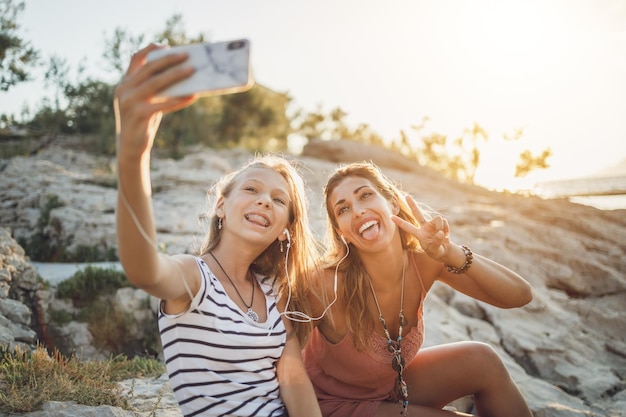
[221,68]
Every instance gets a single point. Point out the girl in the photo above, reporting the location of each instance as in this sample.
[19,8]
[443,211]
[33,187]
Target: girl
[384,255]
[227,348]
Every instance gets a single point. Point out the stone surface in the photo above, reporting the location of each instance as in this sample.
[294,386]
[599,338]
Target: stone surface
[566,349]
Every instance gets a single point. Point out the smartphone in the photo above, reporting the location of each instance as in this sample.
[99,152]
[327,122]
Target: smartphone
[221,68]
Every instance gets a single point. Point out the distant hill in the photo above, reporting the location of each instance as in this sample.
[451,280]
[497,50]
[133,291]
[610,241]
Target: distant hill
[613,171]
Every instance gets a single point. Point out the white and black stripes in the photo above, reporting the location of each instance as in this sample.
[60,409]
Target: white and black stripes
[219,361]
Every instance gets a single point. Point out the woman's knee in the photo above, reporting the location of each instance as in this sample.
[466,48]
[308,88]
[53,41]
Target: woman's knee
[485,357]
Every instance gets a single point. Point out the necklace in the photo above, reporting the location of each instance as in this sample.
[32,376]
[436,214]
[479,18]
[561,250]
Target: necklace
[250,313]
[397,363]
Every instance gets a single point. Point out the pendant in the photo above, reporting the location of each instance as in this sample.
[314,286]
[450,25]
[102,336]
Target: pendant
[397,363]
[252,314]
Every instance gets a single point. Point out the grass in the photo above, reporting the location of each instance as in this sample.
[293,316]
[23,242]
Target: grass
[30,379]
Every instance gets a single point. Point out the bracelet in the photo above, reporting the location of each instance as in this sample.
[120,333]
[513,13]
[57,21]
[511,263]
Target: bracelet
[469,256]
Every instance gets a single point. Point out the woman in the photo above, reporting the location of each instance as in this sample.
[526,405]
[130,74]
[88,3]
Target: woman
[384,255]
[227,348]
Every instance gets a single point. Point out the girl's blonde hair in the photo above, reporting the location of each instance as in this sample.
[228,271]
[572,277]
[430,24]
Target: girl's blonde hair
[353,291]
[303,253]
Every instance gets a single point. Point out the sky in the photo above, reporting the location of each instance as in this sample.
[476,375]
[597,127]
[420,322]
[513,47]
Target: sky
[554,68]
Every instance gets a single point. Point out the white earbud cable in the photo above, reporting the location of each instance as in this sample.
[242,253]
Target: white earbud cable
[299,316]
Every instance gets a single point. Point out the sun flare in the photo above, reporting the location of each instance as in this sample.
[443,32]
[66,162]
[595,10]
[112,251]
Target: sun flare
[511,39]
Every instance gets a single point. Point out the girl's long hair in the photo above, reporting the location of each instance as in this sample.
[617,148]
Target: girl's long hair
[304,250]
[353,290]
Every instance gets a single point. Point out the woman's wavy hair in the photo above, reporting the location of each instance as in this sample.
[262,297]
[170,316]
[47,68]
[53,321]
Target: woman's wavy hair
[353,290]
[303,253]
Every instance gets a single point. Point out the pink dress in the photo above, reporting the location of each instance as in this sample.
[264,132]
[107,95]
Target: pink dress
[352,383]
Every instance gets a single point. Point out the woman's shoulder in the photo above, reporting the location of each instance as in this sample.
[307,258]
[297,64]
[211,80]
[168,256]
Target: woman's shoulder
[423,258]
[428,268]
[189,264]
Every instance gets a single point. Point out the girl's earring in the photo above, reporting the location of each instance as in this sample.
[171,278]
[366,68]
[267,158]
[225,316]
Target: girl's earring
[219,223]
[281,247]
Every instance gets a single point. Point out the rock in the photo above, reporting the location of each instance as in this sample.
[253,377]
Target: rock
[566,349]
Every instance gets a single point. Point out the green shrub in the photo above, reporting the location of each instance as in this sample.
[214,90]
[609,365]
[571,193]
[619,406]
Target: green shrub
[60,317]
[114,331]
[84,253]
[87,284]
[41,246]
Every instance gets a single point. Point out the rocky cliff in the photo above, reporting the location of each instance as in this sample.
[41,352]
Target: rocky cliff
[566,349]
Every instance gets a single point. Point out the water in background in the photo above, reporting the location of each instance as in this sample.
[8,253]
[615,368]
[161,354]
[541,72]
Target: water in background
[606,193]
[54,273]
[607,202]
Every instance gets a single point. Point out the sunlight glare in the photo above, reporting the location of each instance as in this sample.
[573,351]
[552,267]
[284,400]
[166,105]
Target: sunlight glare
[511,39]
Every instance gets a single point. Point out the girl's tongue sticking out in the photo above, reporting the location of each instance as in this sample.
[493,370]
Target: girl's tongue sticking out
[369,230]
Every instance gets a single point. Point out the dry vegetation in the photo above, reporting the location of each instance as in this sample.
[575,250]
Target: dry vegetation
[29,379]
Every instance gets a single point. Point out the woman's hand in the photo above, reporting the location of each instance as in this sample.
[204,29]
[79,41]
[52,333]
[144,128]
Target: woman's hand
[486,280]
[138,111]
[433,234]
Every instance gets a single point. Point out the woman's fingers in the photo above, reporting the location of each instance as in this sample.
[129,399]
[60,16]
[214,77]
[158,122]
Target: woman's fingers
[139,58]
[138,110]
[133,76]
[165,72]
[144,80]
[147,79]
[404,225]
[417,212]
[433,234]
[436,249]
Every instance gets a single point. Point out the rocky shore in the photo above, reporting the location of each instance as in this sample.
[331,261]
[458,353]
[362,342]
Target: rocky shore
[566,349]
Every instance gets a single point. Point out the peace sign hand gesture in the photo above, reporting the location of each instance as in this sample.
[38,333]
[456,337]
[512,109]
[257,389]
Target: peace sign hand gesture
[433,234]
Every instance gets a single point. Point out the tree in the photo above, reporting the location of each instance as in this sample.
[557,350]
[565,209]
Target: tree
[174,33]
[255,119]
[122,44]
[332,126]
[309,124]
[457,159]
[119,48]
[528,162]
[50,116]
[469,157]
[460,159]
[17,56]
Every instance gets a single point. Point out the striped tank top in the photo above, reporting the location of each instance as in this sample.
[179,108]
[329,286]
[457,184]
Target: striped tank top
[219,362]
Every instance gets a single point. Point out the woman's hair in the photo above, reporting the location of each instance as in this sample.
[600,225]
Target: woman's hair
[354,290]
[303,252]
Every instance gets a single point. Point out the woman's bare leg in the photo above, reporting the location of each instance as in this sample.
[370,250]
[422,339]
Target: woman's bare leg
[441,374]
[389,409]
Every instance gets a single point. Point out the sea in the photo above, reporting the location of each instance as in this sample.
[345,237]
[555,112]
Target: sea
[605,193]
[55,272]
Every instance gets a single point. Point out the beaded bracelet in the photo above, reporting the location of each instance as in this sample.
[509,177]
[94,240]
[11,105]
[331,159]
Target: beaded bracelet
[468,261]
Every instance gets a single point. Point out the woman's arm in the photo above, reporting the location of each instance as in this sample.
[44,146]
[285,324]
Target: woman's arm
[484,279]
[488,281]
[138,114]
[296,389]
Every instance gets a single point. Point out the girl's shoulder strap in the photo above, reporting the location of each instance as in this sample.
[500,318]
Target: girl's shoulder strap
[417,271]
